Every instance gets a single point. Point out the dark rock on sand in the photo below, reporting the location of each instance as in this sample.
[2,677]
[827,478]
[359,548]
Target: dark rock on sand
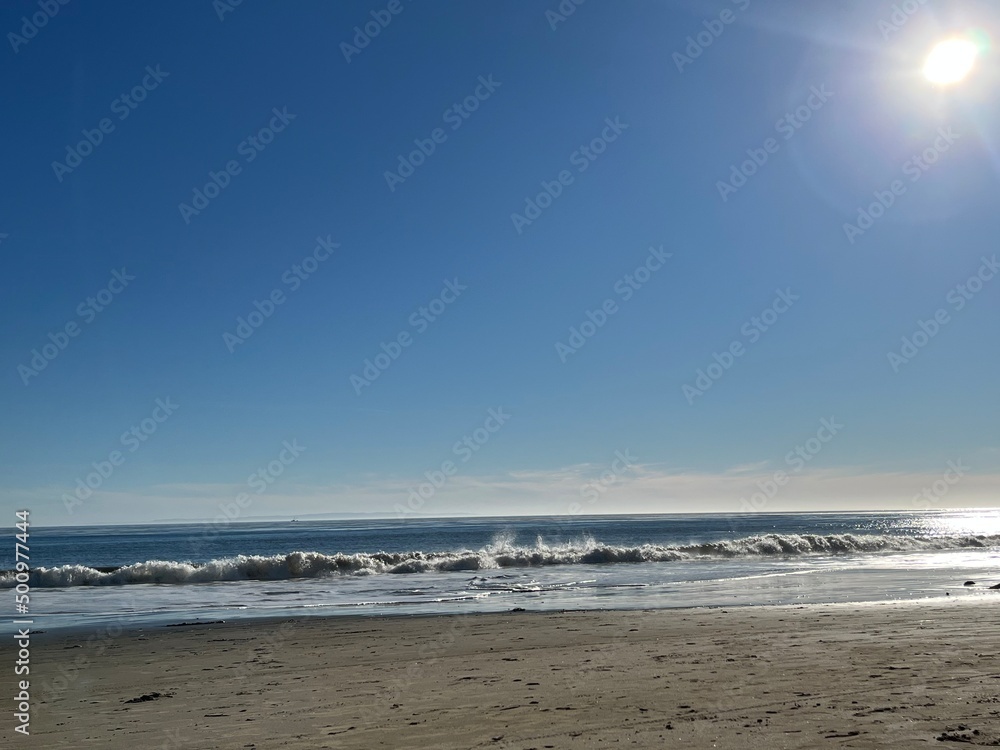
[969,583]
[148,697]
[995,587]
[960,733]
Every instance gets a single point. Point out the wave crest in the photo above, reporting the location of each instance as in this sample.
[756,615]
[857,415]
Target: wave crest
[501,553]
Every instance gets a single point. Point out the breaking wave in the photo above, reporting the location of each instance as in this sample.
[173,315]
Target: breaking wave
[502,553]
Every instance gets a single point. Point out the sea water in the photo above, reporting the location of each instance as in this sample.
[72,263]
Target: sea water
[164,574]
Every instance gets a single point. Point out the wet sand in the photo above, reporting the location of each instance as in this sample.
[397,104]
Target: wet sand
[839,676]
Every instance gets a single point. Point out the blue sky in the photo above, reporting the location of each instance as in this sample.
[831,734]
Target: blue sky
[632,122]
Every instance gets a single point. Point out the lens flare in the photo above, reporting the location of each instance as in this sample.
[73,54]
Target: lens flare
[951,61]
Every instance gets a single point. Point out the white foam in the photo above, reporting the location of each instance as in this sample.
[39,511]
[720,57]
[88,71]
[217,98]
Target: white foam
[502,553]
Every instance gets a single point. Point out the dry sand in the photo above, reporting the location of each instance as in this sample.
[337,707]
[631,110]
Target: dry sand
[877,676]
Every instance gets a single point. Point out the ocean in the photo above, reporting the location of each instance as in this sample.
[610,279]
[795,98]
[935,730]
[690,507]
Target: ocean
[85,577]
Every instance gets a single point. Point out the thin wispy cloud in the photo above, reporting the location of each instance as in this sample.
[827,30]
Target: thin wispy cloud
[639,489]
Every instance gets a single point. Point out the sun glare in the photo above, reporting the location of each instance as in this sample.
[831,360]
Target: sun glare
[950,61]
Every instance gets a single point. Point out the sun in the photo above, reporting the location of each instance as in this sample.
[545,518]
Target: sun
[950,61]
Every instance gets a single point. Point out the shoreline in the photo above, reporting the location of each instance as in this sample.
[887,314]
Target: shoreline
[981,595]
[703,677]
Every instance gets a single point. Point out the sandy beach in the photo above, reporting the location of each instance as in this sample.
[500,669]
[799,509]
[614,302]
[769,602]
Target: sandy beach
[838,676]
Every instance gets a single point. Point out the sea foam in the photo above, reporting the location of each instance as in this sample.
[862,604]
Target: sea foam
[502,553]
